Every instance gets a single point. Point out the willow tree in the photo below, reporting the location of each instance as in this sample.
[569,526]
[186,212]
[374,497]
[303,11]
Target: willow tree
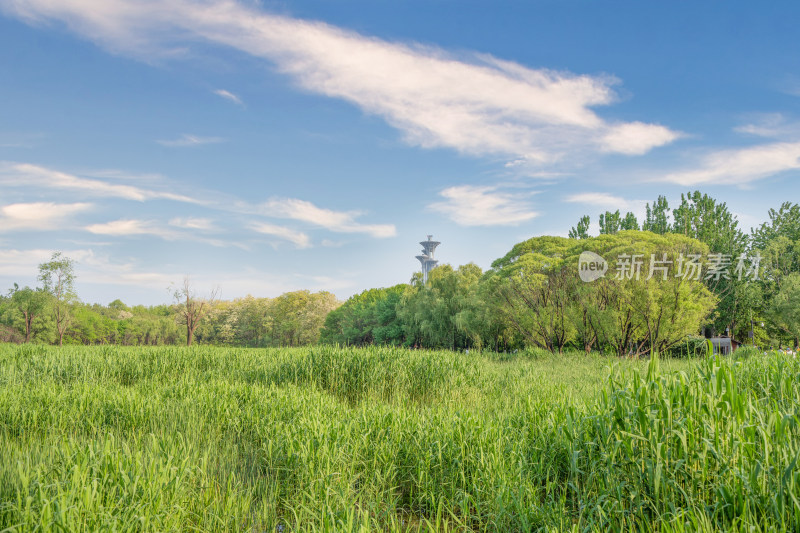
[441,314]
[632,309]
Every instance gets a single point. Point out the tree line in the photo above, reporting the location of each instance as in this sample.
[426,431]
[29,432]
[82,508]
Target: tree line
[746,285]
[51,313]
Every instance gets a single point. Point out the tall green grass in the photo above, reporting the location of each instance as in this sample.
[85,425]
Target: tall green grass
[382,439]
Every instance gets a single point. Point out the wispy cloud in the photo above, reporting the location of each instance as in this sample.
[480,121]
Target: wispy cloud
[474,103]
[609,202]
[740,166]
[599,199]
[129,227]
[193,223]
[229,96]
[190,140]
[337,221]
[19,140]
[28,175]
[298,238]
[38,215]
[470,205]
[94,268]
[22,263]
[771,125]
[132,227]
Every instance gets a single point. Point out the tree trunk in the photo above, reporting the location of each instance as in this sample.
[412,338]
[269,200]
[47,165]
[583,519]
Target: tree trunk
[28,325]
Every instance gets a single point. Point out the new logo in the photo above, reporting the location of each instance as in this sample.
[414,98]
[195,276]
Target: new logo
[591,266]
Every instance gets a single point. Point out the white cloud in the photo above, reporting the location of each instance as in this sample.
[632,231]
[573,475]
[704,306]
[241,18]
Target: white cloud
[22,263]
[637,138]
[298,238]
[476,104]
[128,227]
[469,205]
[203,224]
[229,96]
[28,175]
[190,140]
[49,213]
[93,269]
[338,221]
[38,215]
[740,166]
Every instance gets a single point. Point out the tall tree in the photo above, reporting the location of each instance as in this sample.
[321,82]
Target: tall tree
[31,304]
[629,222]
[438,315]
[657,217]
[58,280]
[192,309]
[778,243]
[581,231]
[701,217]
[784,308]
[610,223]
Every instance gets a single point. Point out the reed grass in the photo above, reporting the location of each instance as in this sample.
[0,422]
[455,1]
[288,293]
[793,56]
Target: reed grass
[384,439]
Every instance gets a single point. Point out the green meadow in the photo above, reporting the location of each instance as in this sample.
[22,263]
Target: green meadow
[388,439]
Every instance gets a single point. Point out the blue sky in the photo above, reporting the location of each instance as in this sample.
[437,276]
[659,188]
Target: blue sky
[271,146]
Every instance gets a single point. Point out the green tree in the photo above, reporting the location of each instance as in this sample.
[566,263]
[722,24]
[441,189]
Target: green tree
[629,222]
[784,308]
[610,222]
[366,318]
[552,308]
[438,315]
[784,222]
[581,231]
[58,280]
[657,217]
[296,318]
[537,289]
[703,218]
[777,242]
[30,303]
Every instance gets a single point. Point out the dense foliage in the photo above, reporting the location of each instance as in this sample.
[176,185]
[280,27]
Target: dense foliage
[388,439]
[552,308]
[292,319]
[531,297]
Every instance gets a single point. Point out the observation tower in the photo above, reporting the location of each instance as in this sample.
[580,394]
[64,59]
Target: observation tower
[427,260]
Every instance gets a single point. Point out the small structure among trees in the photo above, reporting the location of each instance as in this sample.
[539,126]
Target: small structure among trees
[724,345]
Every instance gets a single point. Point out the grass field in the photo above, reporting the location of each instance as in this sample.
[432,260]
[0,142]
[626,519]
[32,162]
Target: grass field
[330,439]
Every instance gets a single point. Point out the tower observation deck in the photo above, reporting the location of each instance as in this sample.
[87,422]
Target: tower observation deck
[426,259]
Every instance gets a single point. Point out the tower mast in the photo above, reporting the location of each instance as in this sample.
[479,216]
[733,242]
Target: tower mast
[426,259]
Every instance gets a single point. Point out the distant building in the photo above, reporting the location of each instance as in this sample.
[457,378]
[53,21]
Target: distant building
[724,345]
[426,259]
